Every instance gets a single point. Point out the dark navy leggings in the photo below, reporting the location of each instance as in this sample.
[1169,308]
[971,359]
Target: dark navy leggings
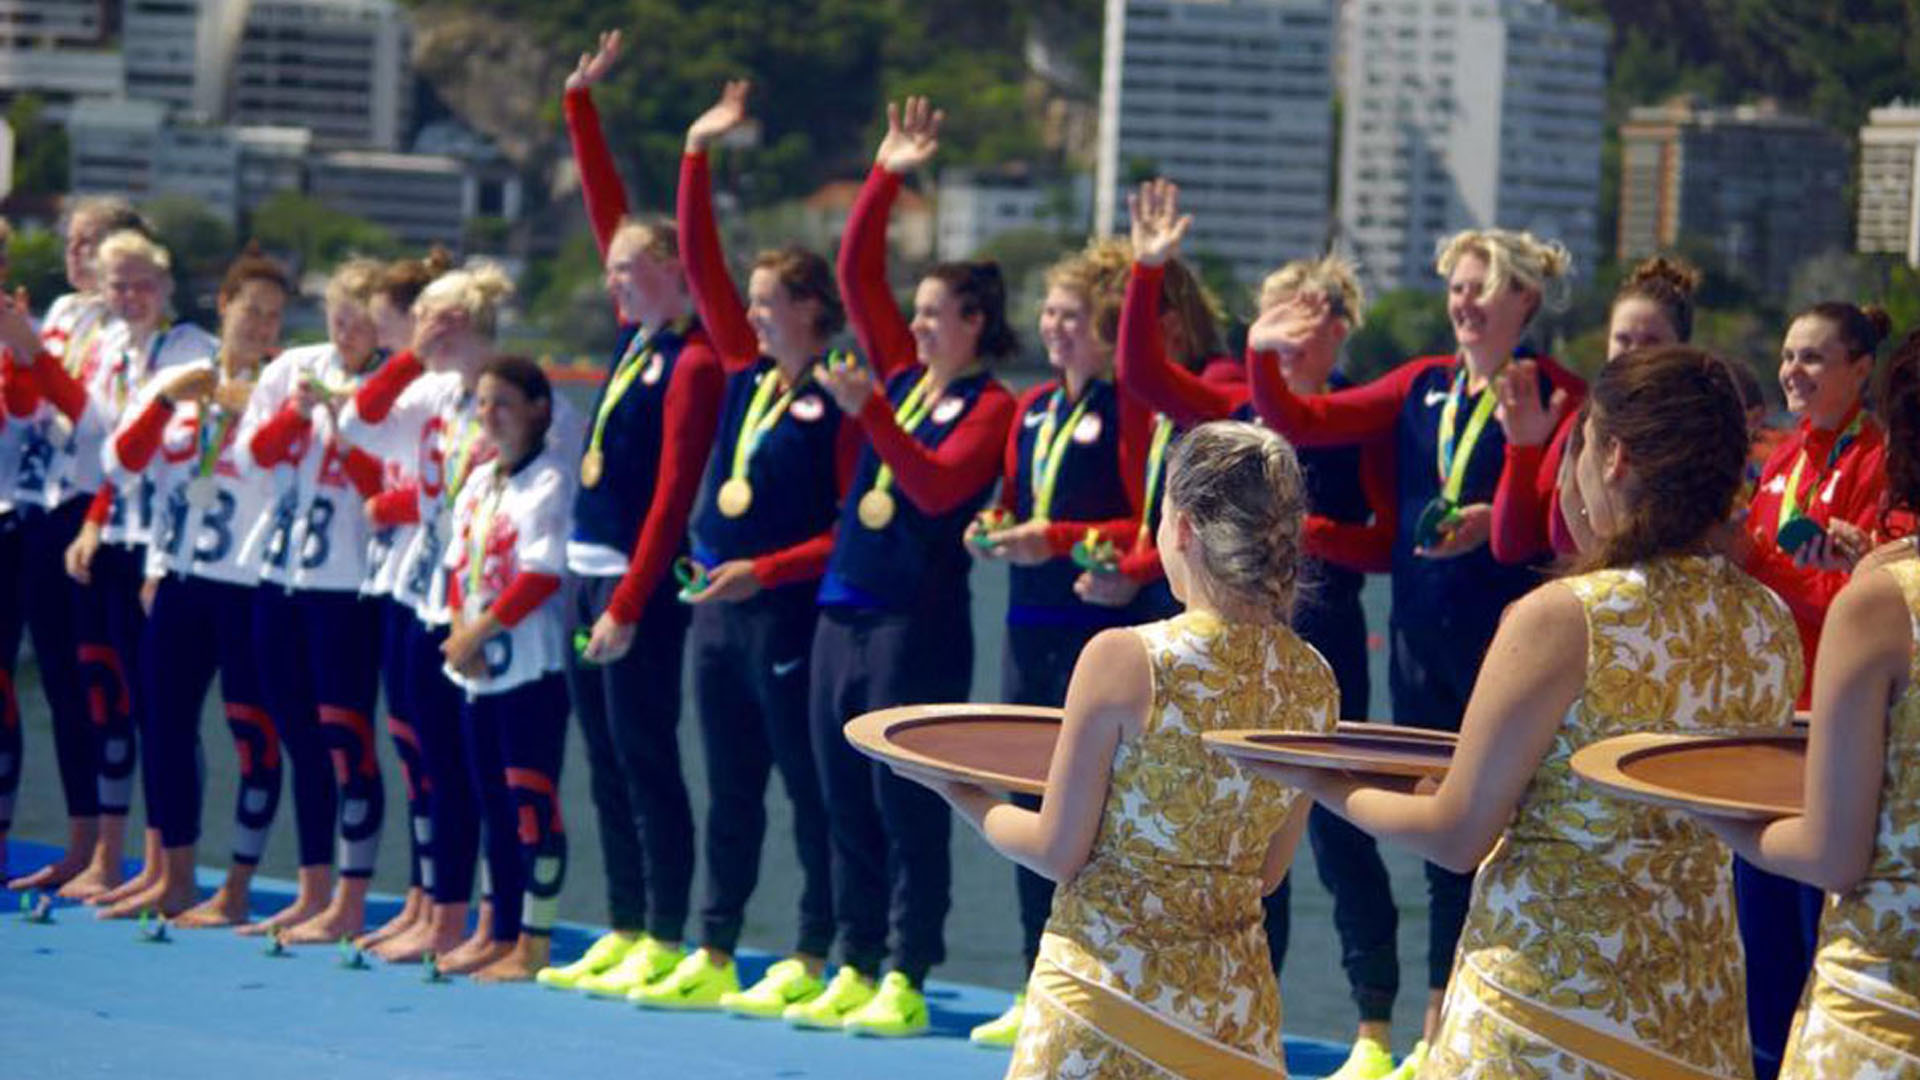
[110,625]
[454,814]
[515,740]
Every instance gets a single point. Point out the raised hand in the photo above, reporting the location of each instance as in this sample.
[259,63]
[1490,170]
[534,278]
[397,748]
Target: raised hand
[1525,420]
[17,334]
[1158,224]
[726,114]
[850,387]
[593,66]
[1288,327]
[913,135]
[189,382]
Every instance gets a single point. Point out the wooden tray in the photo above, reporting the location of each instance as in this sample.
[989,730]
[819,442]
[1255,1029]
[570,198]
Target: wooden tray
[999,747]
[1752,777]
[1377,750]
[1375,727]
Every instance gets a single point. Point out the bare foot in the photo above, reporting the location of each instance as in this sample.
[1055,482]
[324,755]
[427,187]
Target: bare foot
[96,880]
[424,937]
[326,928]
[468,958]
[529,955]
[477,942]
[309,899]
[165,897]
[413,910]
[226,907]
[53,875]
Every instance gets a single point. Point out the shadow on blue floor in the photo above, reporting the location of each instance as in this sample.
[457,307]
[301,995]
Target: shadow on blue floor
[81,997]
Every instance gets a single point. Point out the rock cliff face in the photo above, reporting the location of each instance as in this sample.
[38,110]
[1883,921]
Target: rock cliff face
[496,77]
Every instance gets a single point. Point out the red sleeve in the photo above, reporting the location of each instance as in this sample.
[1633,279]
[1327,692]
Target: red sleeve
[600,184]
[1142,564]
[273,442]
[1143,368]
[57,386]
[375,397]
[100,510]
[401,506]
[526,592]
[364,471]
[1856,500]
[22,393]
[1519,511]
[1368,548]
[1340,418]
[941,479]
[807,560]
[691,414]
[877,323]
[136,445]
[714,294]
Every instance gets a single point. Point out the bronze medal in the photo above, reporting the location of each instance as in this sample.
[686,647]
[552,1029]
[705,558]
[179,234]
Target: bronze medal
[876,509]
[736,497]
[591,466]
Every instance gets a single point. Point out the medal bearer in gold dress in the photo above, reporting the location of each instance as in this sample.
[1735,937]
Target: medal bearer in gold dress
[1600,940]
[1154,962]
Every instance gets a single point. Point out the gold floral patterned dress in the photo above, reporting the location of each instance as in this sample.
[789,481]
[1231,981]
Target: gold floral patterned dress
[1154,962]
[1601,940]
[1861,1016]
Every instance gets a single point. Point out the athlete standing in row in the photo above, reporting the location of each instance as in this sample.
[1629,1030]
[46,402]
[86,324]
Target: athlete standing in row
[640,468]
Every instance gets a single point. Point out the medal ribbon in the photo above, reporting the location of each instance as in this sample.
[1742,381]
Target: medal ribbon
[1790,499]
[761,419]
[211,439]
[77,347]
[122,381]
[1453,459]
[460,462]
[1156,460]
[908,415]
[632,363]
[1050,449]
[481,532]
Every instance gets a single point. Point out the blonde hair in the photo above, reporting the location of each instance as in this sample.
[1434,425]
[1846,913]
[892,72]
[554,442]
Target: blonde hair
[1241,488]
[354,281]
[1098,276]
[1329,275]
[6,232]
[480,289]
[132,244]
[1515,258]
[659,236]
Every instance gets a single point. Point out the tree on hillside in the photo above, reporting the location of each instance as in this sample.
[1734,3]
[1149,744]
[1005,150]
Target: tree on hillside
[38,264]
[39,147]
[313,235]
[201,243]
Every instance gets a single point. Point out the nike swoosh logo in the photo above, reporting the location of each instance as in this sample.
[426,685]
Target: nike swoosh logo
[781,671]
[1033,420]
[1435,397]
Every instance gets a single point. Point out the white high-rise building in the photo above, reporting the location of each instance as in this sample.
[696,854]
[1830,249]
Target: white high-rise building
[340,68]
[180,52]
[1232,100]
[1889,218]
[58,51]
[1467,114]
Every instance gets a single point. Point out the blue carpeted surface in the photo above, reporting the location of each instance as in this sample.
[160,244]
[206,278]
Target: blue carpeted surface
[82,997]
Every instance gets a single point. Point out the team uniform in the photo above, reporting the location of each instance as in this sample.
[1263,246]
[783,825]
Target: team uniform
[506,553]
[894,627]
[1349,533]
[393,515]
[781,460]
[21,399]
[202,617]
[317,639]
[652,425]
[1444,610]
[52,508]
[109,623]
[1820,477]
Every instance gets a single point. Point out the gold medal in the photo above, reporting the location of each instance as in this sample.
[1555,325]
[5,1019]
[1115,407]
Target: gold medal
[876,509]
[736,497]
[591,466]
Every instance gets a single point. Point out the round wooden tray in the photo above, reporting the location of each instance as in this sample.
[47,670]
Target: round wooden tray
[1752,777]
[999,747]
[1374,750]
[1010,747]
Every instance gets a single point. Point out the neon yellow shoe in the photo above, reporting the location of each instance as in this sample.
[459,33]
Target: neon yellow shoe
[600,958]
[1410,1065]
[694,983]
[649,960]
[898,1011]
[848,992]
[1004,1030]
[787,983]
[1368,1061]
